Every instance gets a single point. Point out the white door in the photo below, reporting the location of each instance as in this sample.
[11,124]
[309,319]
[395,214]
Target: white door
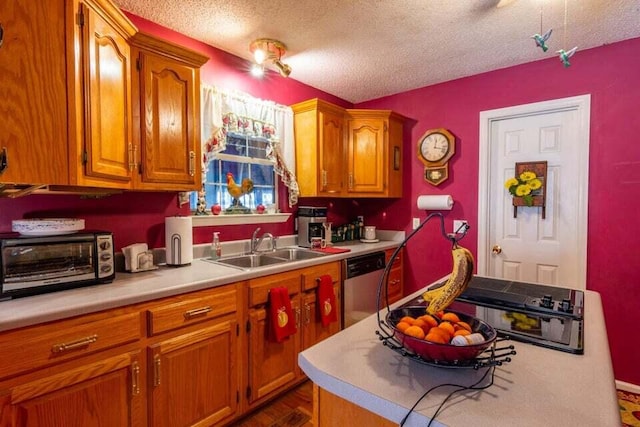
[527,247]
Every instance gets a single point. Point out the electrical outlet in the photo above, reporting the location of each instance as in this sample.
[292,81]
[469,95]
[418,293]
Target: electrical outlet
[458,225]
[416,223]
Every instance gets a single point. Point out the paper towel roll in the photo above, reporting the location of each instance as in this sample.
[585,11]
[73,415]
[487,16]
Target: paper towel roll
[178,240]
[435,203]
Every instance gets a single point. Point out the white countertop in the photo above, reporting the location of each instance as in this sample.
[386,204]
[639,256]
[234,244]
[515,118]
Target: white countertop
[131,288]
[538,387]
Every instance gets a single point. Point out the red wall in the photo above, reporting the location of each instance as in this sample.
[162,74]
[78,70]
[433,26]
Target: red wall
[611,74]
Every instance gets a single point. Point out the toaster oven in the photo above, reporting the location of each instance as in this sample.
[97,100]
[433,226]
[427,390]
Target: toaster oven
[33,265]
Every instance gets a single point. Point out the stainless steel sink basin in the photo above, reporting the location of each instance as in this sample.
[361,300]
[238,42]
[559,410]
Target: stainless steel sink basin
[294,254]
[264,259]
[250,261]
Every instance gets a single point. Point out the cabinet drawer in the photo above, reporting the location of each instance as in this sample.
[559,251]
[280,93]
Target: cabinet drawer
[395,285]
[311,275]
[39,346]
[397,261]
[186,310]
[259,288]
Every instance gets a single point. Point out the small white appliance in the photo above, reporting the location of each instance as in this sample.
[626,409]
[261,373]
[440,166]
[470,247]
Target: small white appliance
[178,240]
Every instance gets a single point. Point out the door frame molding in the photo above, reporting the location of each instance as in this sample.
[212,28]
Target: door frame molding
[581,104]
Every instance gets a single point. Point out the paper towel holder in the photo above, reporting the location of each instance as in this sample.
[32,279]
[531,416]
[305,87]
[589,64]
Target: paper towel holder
[443,202]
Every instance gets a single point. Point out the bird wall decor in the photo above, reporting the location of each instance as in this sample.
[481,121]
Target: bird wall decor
[565,55]
[541,40]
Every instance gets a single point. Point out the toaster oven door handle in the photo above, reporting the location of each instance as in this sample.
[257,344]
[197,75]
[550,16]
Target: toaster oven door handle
[82,342]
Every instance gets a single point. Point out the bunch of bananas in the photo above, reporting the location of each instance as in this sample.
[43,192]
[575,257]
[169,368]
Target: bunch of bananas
[441,297]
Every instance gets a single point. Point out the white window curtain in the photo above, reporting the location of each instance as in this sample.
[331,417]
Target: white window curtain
[224,110]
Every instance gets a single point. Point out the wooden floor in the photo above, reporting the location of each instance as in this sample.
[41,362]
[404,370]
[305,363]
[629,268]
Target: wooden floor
[293,409]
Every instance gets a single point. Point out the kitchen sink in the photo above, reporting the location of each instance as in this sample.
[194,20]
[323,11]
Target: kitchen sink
[265,259]
[294,254]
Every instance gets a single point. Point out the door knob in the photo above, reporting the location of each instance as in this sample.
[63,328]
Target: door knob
[496,249]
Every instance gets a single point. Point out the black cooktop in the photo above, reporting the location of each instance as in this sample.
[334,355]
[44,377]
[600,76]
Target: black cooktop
[543,315]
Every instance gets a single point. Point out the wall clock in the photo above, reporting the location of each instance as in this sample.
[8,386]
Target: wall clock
[435,148]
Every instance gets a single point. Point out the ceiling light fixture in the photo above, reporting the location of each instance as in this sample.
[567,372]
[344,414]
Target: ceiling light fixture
[269,50]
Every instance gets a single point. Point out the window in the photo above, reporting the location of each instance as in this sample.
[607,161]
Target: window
[244,157]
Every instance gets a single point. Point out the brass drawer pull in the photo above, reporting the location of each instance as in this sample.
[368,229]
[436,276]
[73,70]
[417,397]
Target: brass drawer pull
[307,314]
[82,342]
[156,370]
[135,378]
[197,312]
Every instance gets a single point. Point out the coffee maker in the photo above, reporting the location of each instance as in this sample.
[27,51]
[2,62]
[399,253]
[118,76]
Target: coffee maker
[310,220]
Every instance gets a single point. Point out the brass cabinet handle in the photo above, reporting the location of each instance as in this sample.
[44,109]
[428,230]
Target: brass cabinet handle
[350,181]
[298,315]
[394,282]
[307,314]
[156,370]
[1,35]
[324,179]
[135,157]
[135,378]
[131,159]
[192,163]
[197,312]
[82,342]
[496,249]
[3,154]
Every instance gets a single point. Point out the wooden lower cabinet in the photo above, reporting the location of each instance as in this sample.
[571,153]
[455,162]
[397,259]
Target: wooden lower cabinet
[395,288]
[193,377]
[330,410]
[103,393]
[273,366]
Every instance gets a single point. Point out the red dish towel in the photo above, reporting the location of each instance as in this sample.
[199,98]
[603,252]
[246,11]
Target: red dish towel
[327,300]
[332,250]
[283,323]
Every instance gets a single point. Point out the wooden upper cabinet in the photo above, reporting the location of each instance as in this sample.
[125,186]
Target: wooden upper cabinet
[347,152]
[167,113]
[33,128]
[109,154]
[374,153]
[319,133]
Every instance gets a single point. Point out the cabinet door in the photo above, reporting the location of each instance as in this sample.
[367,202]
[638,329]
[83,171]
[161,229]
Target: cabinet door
[194,377]
[272,365]
[366,159]
[313,330]
[105,393]
[169,108]
[331,154]
[107,69]
[33,128]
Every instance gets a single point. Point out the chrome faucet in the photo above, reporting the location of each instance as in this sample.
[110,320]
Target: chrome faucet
[255,241]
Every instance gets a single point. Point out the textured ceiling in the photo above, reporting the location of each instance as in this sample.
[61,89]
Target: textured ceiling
[365,49]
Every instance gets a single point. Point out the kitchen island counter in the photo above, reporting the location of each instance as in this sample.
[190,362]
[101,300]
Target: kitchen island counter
[538,387]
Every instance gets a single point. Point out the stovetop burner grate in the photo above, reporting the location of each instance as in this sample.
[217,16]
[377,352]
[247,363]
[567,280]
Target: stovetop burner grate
[493,356]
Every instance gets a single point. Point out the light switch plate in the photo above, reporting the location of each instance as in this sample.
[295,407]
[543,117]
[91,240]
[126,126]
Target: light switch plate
[416,223]
[458,225]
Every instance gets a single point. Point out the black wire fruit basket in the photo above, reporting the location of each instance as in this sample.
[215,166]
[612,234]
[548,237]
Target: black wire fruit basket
[490,351]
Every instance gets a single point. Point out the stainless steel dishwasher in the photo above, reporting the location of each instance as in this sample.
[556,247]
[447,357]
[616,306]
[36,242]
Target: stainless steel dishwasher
[360,288]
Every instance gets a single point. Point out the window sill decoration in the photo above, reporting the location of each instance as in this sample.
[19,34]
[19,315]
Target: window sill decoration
[528,186]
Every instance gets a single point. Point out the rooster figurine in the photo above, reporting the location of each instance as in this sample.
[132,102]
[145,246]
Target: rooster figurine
[236,191]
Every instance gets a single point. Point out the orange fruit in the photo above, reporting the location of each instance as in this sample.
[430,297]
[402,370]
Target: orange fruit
[414,331]
[401,326]
[435,337]
[440,314]
[423,325]
[461,332]
[442,332]
[451,317]
[430,320]
[447,327]
[407,319]
[462,325]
